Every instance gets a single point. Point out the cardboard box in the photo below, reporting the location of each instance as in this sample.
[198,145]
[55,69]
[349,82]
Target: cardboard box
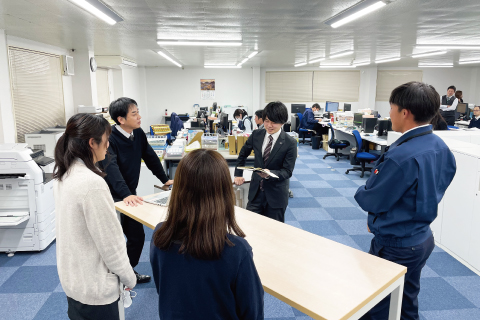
[325,137]
[240,142]
[325,145]
[232,145]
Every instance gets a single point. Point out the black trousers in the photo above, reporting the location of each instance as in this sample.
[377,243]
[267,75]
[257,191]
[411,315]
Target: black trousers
[449,117]
[80,311]
[133,231]
[260,205]
[320,130]
[414,258]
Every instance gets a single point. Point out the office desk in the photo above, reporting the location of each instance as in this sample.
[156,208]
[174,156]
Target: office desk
[320,277]
[341,133]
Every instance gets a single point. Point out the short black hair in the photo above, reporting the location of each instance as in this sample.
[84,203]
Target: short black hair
[240,112]
[316,106]
[259,114]
[276,112]
[476,107]
[421,99]
[120,107]
[452,87]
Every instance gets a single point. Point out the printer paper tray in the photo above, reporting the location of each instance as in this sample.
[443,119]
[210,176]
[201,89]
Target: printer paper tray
[14,220]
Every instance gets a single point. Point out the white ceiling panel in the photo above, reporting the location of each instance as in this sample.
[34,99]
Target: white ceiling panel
[284,31]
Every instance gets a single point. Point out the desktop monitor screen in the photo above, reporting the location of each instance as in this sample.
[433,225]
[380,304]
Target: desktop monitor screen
[462,108]
[383,126]
[201,114]
[347,107]
[357,118]
[375,113]
[369,125]
[331,106]
[224,121]
[298,108]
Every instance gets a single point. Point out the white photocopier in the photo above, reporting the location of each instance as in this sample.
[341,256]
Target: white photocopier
[27,206]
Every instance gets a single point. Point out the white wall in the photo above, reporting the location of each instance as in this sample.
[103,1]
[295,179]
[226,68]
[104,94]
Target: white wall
[7,118]
[84,81]
[178,90]
[464,79]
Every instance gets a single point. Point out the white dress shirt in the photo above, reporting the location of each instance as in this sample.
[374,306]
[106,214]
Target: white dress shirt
[275,138]
[415,128]
[125,133]
[453,107]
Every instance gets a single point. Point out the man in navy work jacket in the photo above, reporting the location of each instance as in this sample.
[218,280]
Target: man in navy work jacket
[309,121]
[276,152]
[128,146]
[402,194]
[475,121]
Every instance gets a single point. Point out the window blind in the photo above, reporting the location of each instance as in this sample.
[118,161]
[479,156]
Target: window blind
[387,80]
[103,91]
[37,90]
[336,85]
[288,86]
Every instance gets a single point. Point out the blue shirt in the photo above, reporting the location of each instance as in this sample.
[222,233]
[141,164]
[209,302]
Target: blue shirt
[190,288]
[408,181]
[308,119]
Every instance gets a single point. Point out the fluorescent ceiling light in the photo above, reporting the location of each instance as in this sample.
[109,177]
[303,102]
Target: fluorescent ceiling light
[253,54]
[428,54]
[355,12]
[341,54]
[99,10]
[468,61]
[387,60]
[337,67]
[450,65]
[447,46]
[301,64]
[163,54]
[222,67]
[198,43]
[316,60]
[366,63]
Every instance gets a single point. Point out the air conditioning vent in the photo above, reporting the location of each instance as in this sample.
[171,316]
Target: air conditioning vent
[115,62]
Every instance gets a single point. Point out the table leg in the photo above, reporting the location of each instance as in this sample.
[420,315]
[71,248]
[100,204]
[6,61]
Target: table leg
[396,302]
[121,309]
[382,148]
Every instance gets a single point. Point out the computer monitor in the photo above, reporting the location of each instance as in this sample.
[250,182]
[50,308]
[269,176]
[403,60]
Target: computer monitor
[357,119]
[347,107]
[201,113]
[369,124]
[224,121]
[298,108]
[294,122]
[375,113]
[197,124]
[331,106]
[383,127]
[462,108]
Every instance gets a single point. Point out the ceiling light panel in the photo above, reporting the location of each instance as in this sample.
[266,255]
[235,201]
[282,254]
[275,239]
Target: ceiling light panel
[340,54]
[99,10]
[428,54]
[301,64]
[170,58]
[222,67]
[165,42]
[447,47]
[469,62]
[387,60]
[316,60]
[353,13]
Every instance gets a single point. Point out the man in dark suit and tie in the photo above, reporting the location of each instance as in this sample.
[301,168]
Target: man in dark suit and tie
[276,152]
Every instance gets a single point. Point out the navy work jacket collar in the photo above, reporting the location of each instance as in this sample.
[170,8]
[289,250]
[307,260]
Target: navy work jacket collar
[410,134]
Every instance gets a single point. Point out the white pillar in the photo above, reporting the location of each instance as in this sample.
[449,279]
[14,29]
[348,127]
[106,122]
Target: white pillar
[84,82]
[7,120]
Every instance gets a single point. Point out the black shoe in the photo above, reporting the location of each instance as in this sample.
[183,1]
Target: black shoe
[142,278]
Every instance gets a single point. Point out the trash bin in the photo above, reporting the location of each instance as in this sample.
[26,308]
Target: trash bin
[353,161]
[316,142]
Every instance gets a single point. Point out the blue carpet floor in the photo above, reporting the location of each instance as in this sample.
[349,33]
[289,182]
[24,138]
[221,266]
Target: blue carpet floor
[323,204]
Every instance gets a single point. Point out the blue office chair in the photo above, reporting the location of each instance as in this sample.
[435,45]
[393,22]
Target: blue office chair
[336,144]
[452,127]
[303,132]
[362,156]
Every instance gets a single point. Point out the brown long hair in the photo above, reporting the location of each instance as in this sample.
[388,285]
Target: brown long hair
[202,207]
[74,143]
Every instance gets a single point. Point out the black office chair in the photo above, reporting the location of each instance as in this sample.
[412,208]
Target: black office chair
[336,144]
[362,156]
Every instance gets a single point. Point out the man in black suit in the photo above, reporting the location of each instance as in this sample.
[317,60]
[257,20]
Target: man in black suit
[276,152]
[475,121]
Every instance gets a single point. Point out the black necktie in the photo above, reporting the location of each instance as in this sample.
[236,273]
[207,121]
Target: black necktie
[131,137]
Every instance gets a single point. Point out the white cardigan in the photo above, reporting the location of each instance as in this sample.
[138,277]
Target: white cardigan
[91,251]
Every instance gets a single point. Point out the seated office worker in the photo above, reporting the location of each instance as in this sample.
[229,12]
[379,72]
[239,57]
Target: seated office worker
[91,254]
[128,146]
[309,121]
[259,119]
[202,266]
[402,194]
[475,121]
[244,122]
[276,152]
[449,105]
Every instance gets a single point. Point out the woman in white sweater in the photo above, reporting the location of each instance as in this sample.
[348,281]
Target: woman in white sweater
[91,254]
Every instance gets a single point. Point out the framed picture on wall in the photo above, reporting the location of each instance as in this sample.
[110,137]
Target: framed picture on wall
[207,89]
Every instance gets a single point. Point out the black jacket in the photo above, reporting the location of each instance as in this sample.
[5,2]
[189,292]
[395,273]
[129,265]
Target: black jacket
[280,162]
